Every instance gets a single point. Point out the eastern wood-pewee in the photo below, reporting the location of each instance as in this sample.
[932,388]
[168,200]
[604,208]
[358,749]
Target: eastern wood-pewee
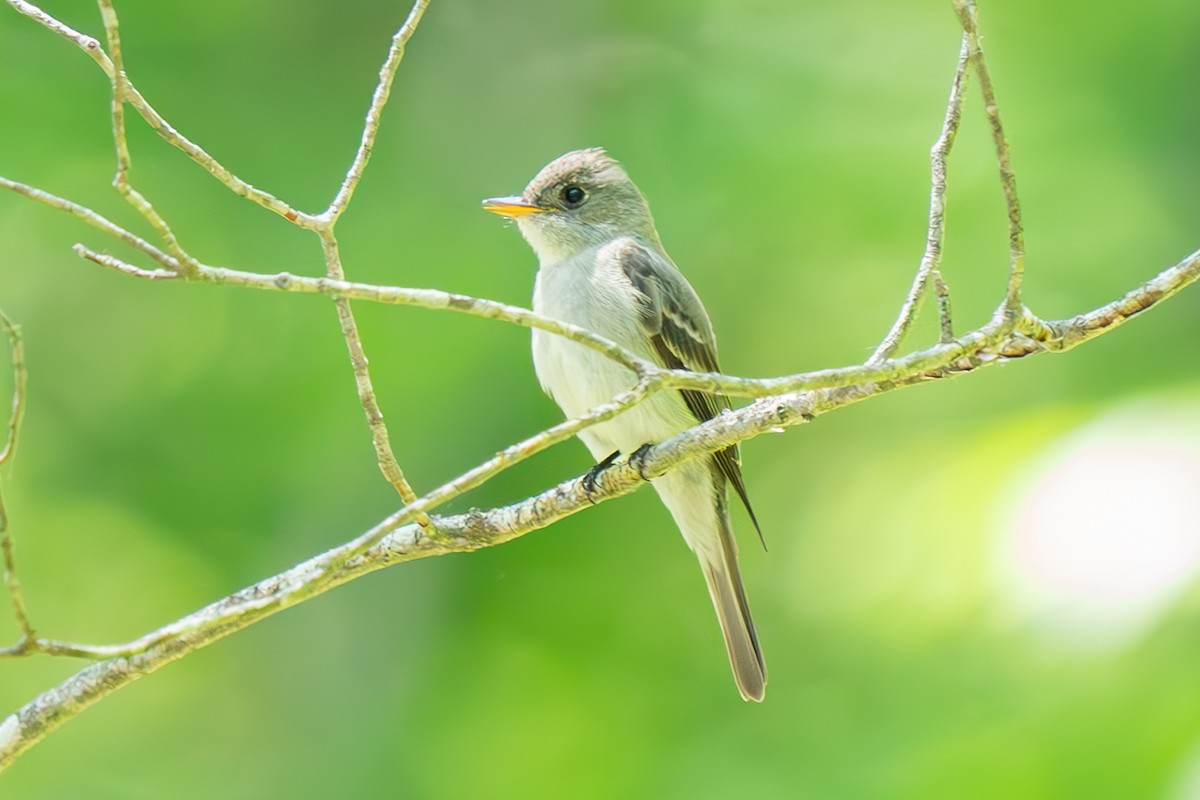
[603,268]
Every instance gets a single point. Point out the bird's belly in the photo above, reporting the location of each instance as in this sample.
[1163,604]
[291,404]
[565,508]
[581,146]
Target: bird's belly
[580,379]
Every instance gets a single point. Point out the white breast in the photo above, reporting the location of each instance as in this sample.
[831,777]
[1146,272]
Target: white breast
[590,290]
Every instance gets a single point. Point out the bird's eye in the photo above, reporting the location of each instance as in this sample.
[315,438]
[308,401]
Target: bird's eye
[573,196]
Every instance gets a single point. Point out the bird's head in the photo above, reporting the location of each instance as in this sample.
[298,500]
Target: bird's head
[580,200]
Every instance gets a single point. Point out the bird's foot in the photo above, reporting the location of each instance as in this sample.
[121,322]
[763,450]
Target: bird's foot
[592,475]
[638,459]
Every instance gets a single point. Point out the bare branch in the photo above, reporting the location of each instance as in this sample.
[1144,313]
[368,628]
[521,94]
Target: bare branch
[936,235]
[135,198]
[212,166]
[930,359]
[17,349]
[91,218]
[87,44]
[385,456]
[123,267]
[11,581]
[1060,335]
[945,318]
[163,128]
[387,74]
[968,17]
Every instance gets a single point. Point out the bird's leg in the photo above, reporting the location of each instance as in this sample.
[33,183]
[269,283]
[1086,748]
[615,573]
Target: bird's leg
[638,459]
[590,477]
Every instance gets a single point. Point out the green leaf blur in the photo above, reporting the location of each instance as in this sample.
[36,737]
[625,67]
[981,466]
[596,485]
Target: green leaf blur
[182,441]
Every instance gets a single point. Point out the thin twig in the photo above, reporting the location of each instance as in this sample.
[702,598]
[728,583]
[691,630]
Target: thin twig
[936,232]
[87,44]
[926,360]
[385,456]
[933,358]
[391,295]
[214,167]
[1061,335]
[89,216]
[387,74]
[123,267]
[17,349]
[945,317]
[1011,310]
[120,84]
[123,91]
[11,581]
[163,128]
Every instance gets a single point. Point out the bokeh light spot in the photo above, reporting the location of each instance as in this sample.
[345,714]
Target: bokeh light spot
[1102,532]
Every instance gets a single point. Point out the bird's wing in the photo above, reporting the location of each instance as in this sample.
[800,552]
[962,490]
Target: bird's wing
[681,336]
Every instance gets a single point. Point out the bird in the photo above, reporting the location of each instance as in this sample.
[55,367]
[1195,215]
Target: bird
[602,267]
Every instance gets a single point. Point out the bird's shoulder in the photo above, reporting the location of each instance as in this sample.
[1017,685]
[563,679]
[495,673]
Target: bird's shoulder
[666,298]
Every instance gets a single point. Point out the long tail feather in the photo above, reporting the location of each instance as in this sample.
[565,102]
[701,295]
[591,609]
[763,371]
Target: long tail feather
[729,599]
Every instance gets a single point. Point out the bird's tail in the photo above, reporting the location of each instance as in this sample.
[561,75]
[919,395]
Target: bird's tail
[695,495]
[729,599]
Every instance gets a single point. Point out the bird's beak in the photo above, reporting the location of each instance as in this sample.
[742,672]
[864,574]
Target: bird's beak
[510,207]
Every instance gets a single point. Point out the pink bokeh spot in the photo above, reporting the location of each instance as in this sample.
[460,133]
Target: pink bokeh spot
[1106,532]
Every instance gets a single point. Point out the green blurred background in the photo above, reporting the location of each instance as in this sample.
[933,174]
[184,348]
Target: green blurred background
[980,588]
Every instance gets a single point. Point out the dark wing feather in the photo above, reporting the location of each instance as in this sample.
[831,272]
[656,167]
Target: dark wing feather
[678,328]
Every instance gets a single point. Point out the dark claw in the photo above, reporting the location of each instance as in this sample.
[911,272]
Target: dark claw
[638,459]
[592,475]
